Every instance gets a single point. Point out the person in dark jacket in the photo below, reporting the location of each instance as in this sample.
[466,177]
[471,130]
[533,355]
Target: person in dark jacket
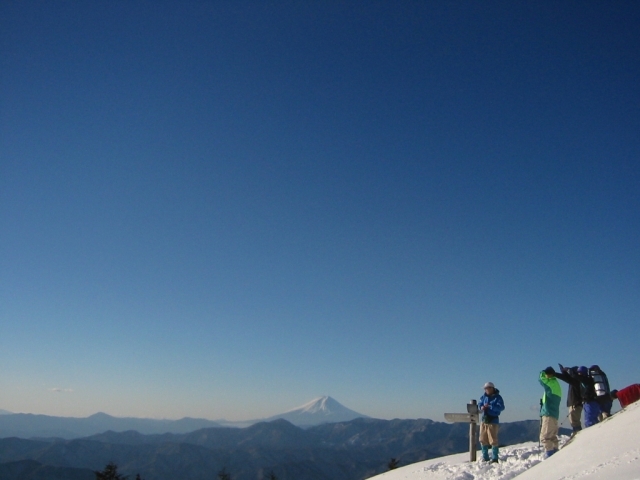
[588,393]
[549,411]
[603,391]
[574,398]
[491,405]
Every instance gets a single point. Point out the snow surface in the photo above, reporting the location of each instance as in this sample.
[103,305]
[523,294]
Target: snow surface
[608,450]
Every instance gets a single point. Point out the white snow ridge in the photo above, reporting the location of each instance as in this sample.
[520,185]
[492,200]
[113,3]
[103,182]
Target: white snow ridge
[318,411]
[607,451]
[318,405]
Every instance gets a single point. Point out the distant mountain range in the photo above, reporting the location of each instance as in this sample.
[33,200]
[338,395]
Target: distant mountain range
[336,443]
[25,425]
[351,450]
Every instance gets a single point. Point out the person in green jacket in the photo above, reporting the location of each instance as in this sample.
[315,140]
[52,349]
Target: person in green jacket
[549,410]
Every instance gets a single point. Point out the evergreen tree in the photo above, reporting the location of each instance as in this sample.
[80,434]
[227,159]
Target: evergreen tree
[393,464]
[110,472]
[223,475]
[271,476]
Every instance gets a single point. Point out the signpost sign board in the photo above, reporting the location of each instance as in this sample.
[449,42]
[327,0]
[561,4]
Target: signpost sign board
[461,417]
[472,418]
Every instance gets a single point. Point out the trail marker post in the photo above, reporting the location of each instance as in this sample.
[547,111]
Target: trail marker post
[472,417]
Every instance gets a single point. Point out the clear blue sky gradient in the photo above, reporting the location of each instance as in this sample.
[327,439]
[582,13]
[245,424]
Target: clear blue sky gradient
[225,209]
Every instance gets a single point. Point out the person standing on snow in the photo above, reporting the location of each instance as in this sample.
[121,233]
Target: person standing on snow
[603,391]
[549,411]
[491,405]
[588,392]
[574,399]
[627,395]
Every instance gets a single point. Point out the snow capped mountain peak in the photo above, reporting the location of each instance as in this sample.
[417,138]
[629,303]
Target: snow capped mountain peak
[321,405]
[319,410]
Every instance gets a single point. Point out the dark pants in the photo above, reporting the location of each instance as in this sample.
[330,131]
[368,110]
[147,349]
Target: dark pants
[605,409]
[605,406]
[591,413]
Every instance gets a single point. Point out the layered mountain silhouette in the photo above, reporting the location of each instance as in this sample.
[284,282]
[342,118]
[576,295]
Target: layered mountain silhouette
[25,425]
[321,440]
[350,450]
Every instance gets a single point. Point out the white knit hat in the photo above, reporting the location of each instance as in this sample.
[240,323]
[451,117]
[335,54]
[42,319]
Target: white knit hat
[489,384]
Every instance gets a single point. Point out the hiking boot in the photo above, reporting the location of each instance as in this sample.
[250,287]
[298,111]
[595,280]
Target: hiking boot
[494,454]
[485,453]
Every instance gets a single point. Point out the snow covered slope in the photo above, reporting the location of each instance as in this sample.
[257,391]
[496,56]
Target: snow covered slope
[318,411]
[609,450]
[515,459]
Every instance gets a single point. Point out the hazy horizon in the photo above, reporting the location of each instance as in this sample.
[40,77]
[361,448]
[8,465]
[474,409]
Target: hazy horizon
[282,411]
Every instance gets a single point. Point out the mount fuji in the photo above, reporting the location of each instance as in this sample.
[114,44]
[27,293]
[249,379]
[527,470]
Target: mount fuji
[318,411]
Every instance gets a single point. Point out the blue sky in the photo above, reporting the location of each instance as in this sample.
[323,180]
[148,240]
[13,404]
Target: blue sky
[226,209]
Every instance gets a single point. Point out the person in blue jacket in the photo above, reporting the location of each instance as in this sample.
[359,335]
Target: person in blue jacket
[490,405]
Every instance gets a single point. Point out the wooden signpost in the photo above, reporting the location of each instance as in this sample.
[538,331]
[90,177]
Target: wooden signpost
[472,417]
